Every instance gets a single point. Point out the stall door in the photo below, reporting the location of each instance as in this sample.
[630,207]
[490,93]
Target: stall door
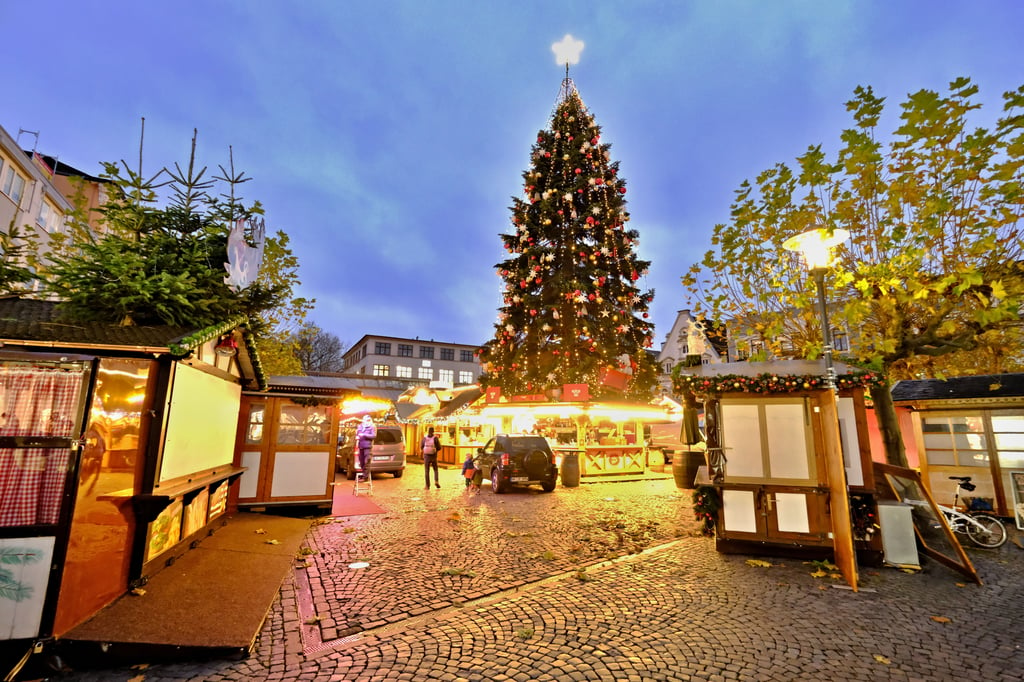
[771,490]
[40,419]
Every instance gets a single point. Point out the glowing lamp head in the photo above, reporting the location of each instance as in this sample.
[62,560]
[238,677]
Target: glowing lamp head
[816,246]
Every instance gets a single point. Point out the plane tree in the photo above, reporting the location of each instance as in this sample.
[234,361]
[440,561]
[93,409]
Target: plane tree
[931,278]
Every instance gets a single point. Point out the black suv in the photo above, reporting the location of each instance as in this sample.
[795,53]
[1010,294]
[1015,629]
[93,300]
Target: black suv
[518,460]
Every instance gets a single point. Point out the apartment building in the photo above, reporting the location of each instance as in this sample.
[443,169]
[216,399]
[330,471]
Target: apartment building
[415,361]
[29,200]
[37,191]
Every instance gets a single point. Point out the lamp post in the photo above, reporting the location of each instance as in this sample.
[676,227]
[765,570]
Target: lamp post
[816,248]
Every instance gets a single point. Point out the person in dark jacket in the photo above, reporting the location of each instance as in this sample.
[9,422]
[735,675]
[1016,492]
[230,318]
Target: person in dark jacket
[428,448]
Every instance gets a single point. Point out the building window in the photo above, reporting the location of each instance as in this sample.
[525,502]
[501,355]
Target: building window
[840,340]
[465,377]
[403,372]
[405,350]
[426,373]
[14,185]
[446,376]
[382,348]
[427,352]
[667,367]
[465,356]
[381,370]
[448,354]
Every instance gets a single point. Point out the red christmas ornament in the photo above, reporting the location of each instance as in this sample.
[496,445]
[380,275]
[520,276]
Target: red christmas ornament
[533,312]
[599,181]
[547,154]
[622,190]
[594,140]
[578,171]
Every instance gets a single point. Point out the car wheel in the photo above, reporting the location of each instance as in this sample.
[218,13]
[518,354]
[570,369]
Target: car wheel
[398,474]
[547,486]
[496,485]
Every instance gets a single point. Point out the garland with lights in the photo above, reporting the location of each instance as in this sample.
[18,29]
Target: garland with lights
[771,383]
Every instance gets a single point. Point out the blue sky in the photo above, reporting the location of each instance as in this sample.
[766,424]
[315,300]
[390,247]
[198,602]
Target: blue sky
[387,138]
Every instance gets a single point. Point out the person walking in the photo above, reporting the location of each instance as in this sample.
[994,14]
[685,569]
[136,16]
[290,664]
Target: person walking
[429,447]
[365,433]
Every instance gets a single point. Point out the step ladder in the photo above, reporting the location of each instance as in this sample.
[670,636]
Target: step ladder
[364,483]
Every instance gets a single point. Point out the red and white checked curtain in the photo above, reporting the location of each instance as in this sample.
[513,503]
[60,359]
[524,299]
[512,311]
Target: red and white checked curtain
[36,401]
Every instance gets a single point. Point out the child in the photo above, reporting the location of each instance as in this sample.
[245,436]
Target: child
[468,470]
[478,478]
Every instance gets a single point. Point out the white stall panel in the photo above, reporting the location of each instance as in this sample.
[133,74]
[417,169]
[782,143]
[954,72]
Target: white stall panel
[299,474]
[791,512]
[741,438]
[851,446]
[788,454]
[738,512]
[248,484]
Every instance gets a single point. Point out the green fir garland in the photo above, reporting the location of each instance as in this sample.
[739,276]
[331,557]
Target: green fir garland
[705,508]
[770,383]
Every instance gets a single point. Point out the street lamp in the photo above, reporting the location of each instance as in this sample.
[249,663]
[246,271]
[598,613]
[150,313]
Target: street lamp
[816,248]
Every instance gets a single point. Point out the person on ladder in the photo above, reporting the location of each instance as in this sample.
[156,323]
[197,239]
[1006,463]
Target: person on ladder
[365,433]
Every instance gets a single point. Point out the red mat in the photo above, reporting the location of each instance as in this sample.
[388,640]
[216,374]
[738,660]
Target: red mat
[347,504]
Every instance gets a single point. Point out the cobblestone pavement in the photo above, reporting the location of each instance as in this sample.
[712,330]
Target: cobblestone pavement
[603,582]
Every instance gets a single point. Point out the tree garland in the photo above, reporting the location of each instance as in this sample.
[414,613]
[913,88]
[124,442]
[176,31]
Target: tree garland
[705,508]
[770,383]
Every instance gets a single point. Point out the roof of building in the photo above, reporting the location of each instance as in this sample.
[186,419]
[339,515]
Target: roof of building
[960,388]
[377,337]
[61,168]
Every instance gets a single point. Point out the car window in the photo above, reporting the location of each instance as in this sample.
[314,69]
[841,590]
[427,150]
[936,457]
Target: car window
[388,436]
[489,448]
[522,446]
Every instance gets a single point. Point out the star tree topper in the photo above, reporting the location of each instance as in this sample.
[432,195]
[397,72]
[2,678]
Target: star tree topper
[567,51]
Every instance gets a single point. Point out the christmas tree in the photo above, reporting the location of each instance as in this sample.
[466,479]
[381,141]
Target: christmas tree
[572,311]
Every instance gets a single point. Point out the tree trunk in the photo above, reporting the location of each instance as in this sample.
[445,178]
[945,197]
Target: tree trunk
[888,425]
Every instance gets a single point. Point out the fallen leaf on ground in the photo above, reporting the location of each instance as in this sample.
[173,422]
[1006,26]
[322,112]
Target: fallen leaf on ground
[138,592]
[819,574]
[941,619]
[260,531]
[759,562]
[882,659]
[273,542]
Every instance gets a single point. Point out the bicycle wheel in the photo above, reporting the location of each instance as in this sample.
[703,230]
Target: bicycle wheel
[986,531]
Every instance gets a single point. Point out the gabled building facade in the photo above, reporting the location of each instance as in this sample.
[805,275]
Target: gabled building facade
[692,341]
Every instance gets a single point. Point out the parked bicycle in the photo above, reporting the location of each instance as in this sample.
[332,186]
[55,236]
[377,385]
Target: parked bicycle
[982,529]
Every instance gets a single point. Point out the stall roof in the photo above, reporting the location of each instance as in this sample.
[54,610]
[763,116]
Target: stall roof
[312,385]
[36,325]
[960,388]
[753,369]
[462,396]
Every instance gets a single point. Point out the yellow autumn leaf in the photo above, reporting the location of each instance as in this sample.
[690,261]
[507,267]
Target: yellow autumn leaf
[759,563]
[941,619]
[260,531]
[882,659]
[819,574]
[273,542]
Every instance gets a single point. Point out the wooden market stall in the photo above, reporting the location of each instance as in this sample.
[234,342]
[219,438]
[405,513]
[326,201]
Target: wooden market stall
[970,426]
[789,460]
[287,439]
[115,454]
[606,438]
